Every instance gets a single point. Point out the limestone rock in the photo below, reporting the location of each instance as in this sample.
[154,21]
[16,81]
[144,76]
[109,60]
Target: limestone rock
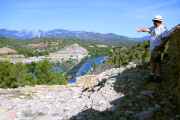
[12,114]
[3,110]
[177,93]
[129,112]
[147,92]
[152,86]
[145,115]
[46,117]
[142,97]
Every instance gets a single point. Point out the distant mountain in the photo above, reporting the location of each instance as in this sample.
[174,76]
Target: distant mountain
[142,38]
[61,33]
[22,33]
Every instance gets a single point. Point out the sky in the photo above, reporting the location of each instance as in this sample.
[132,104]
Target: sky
[120,17]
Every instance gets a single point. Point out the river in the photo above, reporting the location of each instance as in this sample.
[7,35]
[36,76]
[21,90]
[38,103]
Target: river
[85,67]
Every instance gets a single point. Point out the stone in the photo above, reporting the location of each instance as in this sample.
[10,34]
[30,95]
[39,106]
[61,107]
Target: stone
[22,96]
[92,96]
[102,102]
[19,102]
[130,105]
[79,85]
[128,66]
[147,92]
[165,102]
[128,112]
[29,118]
[48,96]
[96,88]
[73,84]
[122,95]
[12,114]
[167,110]
[179,82]
[178,115]
[105,95]
[152,109]
[112,108]
[129,96]
[152,86]
[123,86]
[133,65]
[2,117]
[46,117]
[9,107]
[123,118]
[25,109]
[117,86]
[3,110]
[29,101]
[151,96]
[177,93]
[20,115]
[49,112]
[142,97]
[145,115]
[79,117]
[120,109]
[100,80]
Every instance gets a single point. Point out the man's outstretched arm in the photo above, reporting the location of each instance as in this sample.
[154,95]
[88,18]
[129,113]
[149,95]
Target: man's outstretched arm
[142,30]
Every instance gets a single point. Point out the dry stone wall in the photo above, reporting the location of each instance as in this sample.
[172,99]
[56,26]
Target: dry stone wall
[174,57]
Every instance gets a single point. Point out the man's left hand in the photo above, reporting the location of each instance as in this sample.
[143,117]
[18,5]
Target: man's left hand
[156,48]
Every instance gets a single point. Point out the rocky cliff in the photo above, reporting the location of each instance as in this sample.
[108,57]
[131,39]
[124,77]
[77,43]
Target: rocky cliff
[174,59]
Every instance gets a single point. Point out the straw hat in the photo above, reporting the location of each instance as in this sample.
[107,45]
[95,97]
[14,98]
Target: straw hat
[157,17]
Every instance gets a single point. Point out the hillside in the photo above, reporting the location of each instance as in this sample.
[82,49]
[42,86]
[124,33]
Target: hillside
[113,94]
[6,50]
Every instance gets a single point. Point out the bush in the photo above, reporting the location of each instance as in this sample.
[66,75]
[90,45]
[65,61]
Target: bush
[57,79]
[94,64]
[126,62]
[146,59]
[138,55]
[83,73]
[14,76]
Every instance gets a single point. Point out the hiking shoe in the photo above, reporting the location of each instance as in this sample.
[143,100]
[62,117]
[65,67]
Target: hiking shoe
[150,78]
[158,79]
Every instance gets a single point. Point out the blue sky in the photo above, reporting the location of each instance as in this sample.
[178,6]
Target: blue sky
[120,17]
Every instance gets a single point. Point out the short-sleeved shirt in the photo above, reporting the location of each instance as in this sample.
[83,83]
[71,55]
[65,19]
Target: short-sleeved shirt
[157,33]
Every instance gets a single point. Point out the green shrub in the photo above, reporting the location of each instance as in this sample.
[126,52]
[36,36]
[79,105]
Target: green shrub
[83,73]
[146,59]
[94,64]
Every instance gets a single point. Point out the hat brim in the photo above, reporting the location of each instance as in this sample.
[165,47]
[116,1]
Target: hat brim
[157,20]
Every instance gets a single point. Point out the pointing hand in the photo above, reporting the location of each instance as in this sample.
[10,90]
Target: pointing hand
[138,30]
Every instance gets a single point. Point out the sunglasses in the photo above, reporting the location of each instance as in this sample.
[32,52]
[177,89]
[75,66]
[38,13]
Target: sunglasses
[155,21]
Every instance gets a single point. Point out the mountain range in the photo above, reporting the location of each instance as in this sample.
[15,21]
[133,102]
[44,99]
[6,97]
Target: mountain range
[61,33]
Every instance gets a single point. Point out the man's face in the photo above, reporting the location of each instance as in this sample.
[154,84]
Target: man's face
[157,23]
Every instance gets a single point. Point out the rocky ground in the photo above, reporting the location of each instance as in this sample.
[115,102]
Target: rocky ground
[120,94]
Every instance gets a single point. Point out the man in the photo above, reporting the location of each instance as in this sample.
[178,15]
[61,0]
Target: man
[159,37]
